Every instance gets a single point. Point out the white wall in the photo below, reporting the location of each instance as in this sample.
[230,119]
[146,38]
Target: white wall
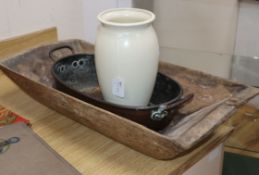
[23,16]
[92,8]
[73,18]
[198,34]
[247,43]
[246,59]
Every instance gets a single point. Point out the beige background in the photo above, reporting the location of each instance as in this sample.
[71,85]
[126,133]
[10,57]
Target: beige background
[199,34]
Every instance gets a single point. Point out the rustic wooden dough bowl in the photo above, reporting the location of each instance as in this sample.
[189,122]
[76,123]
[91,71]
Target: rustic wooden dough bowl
[31,72]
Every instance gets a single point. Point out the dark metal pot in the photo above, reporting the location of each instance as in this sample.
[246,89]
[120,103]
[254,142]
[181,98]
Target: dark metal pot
[76,75]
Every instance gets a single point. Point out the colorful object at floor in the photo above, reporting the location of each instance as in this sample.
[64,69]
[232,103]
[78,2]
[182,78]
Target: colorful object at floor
[9,117]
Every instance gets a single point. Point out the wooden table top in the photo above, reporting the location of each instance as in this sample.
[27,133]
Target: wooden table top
[87,150]
[245,138]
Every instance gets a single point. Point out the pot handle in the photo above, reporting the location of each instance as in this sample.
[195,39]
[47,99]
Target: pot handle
[162,111]
[181,101]
[51,55]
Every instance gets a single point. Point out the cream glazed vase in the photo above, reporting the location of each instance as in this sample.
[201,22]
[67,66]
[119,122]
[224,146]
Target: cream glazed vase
[126,56]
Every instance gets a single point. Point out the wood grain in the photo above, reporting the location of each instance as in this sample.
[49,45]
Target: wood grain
[19,44]
[89,151]
[245,138]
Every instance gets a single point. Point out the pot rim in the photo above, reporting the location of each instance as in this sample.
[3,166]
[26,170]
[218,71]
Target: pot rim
[141,16]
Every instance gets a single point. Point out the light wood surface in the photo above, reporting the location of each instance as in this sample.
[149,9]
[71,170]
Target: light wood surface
[245,139]
[89,151]
[18,44]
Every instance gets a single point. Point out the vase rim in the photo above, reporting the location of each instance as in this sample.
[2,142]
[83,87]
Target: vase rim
[126,17]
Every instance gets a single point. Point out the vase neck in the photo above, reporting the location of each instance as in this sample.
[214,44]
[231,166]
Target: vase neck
[126,17]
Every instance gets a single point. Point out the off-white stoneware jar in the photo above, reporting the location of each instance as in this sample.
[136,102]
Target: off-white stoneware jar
[126,56]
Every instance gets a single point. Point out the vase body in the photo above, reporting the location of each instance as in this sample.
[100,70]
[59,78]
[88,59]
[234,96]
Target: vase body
[126,56]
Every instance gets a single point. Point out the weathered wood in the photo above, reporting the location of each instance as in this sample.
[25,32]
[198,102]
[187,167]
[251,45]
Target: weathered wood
[205,127]
[206,119]
[31,71]
[190,120]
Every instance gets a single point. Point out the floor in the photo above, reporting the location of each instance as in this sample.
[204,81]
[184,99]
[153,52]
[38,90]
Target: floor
[235,164]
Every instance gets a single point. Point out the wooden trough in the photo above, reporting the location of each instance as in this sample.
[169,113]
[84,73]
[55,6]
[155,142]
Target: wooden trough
[214,101]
